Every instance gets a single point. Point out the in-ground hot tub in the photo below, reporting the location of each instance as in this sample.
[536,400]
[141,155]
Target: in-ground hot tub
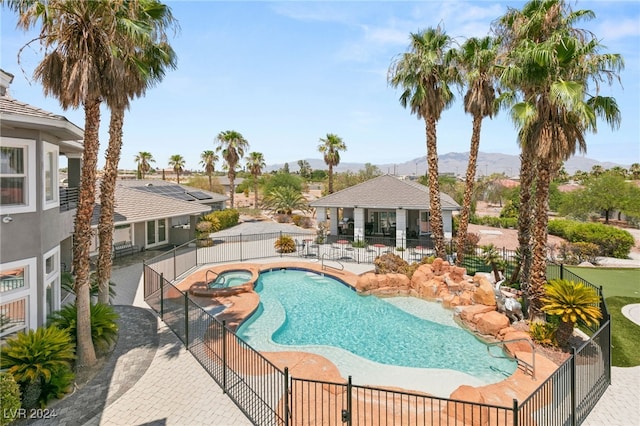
[224,283]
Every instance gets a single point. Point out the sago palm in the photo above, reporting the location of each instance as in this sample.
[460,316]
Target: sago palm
[424,74]
[330,148]
[232,145]
[255,165]
[573,303]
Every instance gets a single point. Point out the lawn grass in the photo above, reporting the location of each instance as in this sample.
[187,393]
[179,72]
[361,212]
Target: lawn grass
[625,334]
[621,286]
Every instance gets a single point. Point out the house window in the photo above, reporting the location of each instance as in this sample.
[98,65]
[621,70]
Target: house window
[50,175]
[51,281]
[18,309]
[17,167]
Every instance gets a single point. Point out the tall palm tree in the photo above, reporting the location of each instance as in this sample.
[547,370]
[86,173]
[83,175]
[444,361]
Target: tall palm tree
[552,63]
[255,164]
[144,160]
[330,147]
[143,58]
[78,38]
[476,60]
[176,161]
[232,145]
[424,74]
[208,159]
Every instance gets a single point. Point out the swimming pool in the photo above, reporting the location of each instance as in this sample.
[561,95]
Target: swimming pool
[406,342]
[230,279]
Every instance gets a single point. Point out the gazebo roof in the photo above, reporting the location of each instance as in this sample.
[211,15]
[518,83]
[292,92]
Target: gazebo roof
[385,192]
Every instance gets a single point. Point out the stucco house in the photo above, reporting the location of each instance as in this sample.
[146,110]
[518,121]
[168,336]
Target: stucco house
[152,213]
[384,206]
[37,215]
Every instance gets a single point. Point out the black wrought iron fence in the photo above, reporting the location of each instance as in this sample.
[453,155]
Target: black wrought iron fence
[268,396]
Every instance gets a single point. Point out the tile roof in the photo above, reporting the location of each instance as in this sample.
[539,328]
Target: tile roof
[387,192]
[138,206]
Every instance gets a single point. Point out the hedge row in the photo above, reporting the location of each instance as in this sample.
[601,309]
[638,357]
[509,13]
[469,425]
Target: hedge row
[613,242]
[224,218]
[495,222]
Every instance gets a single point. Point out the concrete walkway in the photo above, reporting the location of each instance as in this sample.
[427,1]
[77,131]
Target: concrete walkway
[150,379]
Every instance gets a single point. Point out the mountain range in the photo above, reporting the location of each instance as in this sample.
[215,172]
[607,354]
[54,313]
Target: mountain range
[454,163]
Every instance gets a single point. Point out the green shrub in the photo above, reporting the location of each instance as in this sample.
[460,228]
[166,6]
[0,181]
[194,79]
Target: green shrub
[613,242]
[38,358]
[285,244]
[10,397]
[225,218]
[205,227]
[302,221]
[359,244]
[104,328]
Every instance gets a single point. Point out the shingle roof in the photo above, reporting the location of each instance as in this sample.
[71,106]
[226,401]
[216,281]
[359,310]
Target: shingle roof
[172,189]
[137,206]
[387,192]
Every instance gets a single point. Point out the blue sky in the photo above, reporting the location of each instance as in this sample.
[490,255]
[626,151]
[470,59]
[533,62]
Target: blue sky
[284,74]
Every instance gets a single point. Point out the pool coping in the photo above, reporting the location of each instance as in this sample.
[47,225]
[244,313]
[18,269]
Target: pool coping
[316,367]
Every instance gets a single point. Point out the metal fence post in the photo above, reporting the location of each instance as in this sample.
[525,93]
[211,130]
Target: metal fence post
[175,271]
[186,320]
[162,296]
[224,356]
[562,271]
[515,412]
[573,387]
[286,399]
[349,402]
[241,245]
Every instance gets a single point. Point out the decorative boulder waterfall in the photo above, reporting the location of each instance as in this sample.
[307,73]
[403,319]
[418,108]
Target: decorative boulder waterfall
[508,305]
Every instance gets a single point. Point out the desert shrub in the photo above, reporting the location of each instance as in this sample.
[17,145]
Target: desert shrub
[285,244]
[282,218]
[471,243]
[510,210]
[226,218]
[10,397]
[302,221]
[206,227]
[613,242]
[390,263]
[40,362]
[359,244]
[104,328]
[543,333]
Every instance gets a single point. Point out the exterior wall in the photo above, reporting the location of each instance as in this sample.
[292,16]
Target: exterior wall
[447,223]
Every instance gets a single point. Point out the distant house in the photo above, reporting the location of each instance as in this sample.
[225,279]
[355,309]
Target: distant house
[152,213]
[384,205]
[37,214]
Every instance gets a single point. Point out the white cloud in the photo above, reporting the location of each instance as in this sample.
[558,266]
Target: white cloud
[620,29]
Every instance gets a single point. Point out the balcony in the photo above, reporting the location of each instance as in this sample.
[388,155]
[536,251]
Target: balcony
[68,198]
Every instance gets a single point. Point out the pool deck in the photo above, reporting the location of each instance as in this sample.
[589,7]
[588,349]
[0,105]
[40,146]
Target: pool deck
[311,366]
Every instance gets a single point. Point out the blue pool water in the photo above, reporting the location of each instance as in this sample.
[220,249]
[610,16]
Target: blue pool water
[306,310]
[230,279]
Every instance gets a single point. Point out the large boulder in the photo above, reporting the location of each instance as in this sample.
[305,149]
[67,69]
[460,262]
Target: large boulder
[519,345]
[476,415]
[484,294]
[470,313]
[491,323]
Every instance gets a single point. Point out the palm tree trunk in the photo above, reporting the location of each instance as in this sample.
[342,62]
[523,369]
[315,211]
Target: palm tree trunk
[330,178]
[107,207]
[564,333]
[434,188]
[538,276]
[463,223]
[85,352]
[527,167]
[232,186]
[210,182]
[255,192]
[178,175]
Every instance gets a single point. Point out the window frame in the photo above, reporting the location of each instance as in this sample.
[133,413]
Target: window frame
[28,292]
[29,145]
[54,150]
[51,278]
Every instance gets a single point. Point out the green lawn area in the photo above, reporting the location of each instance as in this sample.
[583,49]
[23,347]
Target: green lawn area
[621,287]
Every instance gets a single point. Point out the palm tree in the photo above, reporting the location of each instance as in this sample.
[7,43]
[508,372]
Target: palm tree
[573,303]
[551,63]
[255,164]
[232,145]
[144,56]
[634,170]
[144,160]
[476,60]
[424,75]
[330,147]
[285,199]
[176,161]
[491,257]
[208,160]
[78,39]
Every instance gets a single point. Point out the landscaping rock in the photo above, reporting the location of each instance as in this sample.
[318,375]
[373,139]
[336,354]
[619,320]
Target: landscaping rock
[491,323]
